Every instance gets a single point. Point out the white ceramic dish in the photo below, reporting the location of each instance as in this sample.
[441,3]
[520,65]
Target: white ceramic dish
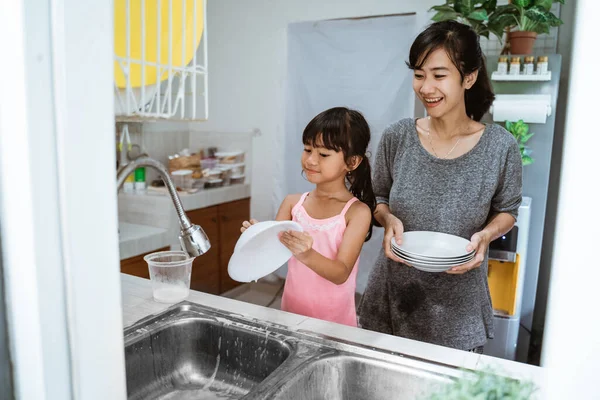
[258,252]
[429,260]
[432,244]
[432,264]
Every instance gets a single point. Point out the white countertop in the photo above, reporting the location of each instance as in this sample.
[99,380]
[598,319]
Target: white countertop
[135,239]
[138,303]
[201,199]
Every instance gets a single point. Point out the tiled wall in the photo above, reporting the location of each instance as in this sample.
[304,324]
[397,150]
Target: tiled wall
[156,142]
[545,44]
[160,140]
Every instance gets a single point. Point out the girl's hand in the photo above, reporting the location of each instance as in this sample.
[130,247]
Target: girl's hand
[480,242]
[393,229]
[247,224]
[299,243]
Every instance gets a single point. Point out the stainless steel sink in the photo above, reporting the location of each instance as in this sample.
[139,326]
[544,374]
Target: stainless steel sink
[188,357]
[350,377]
[195,352]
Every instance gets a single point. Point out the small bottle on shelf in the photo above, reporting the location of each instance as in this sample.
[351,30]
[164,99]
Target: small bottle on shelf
[140,180]
[528,66]
[128,186]
[502,65]
[515,66]
[542,65]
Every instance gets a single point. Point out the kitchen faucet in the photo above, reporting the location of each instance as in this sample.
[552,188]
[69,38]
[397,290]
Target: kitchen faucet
[192,237]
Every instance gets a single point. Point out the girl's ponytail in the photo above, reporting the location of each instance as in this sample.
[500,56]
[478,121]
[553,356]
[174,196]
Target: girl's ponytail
[362,188]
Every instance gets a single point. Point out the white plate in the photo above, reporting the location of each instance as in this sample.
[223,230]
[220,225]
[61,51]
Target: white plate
[432,267]
[449,261]
[432,244]
[413,261]
[432,270]
[434,260]
[258,252]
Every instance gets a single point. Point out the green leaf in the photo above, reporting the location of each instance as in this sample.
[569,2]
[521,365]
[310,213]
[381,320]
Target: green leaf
[541,29]
[445,16]
[489,5]
[546,4]
[553,20]
[458,6]
[467,6]
[509,126]
[537,14]
[522,3]
[442,8]
[478,15]
[527,160]
[497,24]
[506,8]
[526,137]
[521,127]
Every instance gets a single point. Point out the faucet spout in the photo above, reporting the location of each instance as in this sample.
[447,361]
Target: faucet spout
[192,237]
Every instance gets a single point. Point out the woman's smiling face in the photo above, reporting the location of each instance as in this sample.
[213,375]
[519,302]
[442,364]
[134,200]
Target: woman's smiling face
[439,85]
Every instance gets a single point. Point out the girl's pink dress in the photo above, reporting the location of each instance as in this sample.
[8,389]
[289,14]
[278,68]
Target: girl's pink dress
[306,292]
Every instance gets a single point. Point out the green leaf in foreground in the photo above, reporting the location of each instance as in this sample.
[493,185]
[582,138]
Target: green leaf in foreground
[484,385]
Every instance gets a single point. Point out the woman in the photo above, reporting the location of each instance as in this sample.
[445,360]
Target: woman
[445,173]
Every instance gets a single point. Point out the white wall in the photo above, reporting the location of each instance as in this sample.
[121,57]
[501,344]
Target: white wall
[571,343]
[247,66]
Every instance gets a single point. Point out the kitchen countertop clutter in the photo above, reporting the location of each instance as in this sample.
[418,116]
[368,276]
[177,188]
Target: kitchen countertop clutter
[207,168]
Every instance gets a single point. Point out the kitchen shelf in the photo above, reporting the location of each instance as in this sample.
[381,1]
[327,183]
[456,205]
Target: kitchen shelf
[530,78]
[160,60]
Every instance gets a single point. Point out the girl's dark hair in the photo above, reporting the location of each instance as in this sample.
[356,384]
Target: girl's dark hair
[345,130]
[462,46]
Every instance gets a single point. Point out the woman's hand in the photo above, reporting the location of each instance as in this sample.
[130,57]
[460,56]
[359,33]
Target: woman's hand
[299,243]
[393,229]
[480,242]
[247,224]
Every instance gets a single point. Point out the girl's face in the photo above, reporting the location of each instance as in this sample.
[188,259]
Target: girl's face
[321,164]
[439,86]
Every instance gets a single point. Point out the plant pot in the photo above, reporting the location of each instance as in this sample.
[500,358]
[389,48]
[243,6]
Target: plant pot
[521,42]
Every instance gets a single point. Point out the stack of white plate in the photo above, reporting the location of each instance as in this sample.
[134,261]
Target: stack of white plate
[432,251]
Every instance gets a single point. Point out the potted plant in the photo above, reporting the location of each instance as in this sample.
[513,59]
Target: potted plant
[520,130]
[485,385]
[473,13]
[525,19]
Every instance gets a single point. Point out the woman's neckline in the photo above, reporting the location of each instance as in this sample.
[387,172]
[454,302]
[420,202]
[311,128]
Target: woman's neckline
[448,160]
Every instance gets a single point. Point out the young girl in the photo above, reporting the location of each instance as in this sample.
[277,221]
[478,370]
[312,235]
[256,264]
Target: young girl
[335,216]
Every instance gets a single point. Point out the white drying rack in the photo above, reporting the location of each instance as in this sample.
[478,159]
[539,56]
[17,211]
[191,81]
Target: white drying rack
[176,97]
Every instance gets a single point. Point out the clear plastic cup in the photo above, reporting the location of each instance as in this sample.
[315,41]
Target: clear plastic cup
[170,273]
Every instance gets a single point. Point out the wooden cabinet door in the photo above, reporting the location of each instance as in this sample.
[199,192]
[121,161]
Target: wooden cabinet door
[205,271]
[137,266]
[231,216]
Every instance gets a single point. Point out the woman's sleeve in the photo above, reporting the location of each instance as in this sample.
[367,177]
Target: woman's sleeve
[382,170]
[509,192]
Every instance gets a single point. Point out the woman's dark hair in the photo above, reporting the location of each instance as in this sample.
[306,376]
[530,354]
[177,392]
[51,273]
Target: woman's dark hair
[345,130]
[462,46]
